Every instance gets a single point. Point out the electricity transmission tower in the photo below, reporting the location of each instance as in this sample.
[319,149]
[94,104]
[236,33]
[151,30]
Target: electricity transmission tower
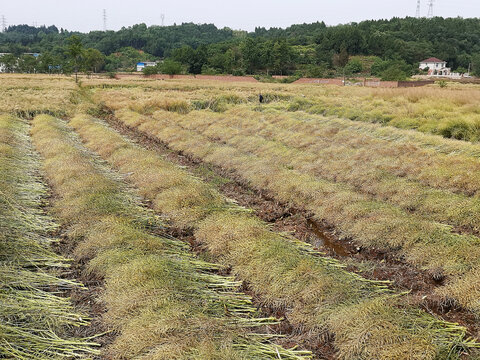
[162,16]
[104,20]
[430,8]
[4,23]
[417,15]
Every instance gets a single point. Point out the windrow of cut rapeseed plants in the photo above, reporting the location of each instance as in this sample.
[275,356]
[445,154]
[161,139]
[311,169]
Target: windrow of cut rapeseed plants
[337,152]
[27,95]
[330,151]
[317,294]
[35,316]
[451,112]
[371,222]
[162,301]
[449,165]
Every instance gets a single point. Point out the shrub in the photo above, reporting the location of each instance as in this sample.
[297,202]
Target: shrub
[316,71]
[207,70]
[354,66]
[171,67]
[178,106]
[238,72]
[150,70]
[442,83]
[300,104]
[393,73]
[457,129]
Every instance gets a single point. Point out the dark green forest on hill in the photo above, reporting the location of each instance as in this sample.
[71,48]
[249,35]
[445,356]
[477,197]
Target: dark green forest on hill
[385,48]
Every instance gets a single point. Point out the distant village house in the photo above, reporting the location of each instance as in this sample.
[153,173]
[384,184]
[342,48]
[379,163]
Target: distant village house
[142,65]
[3,67]
[436,67]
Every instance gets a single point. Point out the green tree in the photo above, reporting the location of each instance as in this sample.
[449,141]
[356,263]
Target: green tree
[340,60]
[354,66]
[27,64]
[315,71]
[251,55]
[9,62]
[282,57]
[75,52]
[476,64]
[94,60]
[171,67]
[394,73]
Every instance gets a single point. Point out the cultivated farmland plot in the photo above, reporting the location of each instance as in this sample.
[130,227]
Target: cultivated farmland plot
[324,223]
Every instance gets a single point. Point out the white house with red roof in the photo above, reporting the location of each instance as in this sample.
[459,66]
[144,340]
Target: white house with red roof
[436,67]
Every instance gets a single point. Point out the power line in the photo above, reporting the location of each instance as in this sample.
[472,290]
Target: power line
[417,15]
[4,23]
[104,20]
[430,8]
[162,16]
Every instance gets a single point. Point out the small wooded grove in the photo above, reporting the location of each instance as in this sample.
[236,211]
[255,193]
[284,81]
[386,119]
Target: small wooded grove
[387,48]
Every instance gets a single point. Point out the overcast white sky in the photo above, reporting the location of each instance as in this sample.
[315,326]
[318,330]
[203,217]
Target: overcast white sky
[86,15]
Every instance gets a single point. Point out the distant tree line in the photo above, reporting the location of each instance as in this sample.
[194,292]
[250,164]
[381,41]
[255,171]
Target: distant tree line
[390,49]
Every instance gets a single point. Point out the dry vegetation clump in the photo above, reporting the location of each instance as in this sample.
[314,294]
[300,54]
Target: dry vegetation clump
[163,302]
[27,96]
[450,113]
[371,222]
[316,292]
[35,315]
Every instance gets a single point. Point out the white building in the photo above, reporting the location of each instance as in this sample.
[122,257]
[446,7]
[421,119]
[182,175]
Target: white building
[2,66]
[142,65]
[436,67]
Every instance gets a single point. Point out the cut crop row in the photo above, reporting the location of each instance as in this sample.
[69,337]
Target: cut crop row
[447,112]
[368,221]
[163,302]
[430,160]
[317,293]
[35,315]
[327,150]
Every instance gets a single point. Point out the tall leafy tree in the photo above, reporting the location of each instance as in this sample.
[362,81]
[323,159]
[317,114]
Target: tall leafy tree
[75,52]
[94,60]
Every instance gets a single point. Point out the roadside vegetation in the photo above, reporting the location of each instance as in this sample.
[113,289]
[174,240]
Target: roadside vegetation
[36,317]
[317,294]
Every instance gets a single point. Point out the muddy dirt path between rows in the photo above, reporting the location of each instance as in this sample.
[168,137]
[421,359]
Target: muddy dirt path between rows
[87,300]
[377,264]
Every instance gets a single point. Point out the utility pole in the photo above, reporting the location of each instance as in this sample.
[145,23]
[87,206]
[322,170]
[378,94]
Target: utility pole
[430,8]
[104,20]
[4,23]
[162,16]
[417,15]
